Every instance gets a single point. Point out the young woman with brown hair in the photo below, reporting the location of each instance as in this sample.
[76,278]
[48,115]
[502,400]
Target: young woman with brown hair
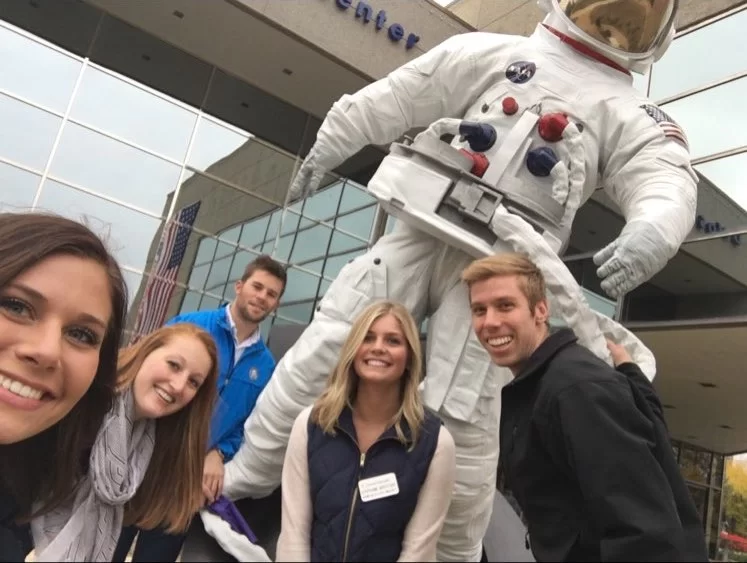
[62,307]
[147,462]
[368,473]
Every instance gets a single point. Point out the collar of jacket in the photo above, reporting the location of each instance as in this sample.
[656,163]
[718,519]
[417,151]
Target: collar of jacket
[553,344]
[345,423]
[223,319]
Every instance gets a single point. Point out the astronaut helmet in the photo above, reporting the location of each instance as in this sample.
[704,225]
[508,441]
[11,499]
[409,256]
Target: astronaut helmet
[632,33]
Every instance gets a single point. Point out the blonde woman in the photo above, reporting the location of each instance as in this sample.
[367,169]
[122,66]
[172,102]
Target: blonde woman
[368,474]
[147,461]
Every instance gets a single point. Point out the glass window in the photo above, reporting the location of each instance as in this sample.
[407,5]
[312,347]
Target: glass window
[198,276]
[290,222]
[282,250]
[129,234]
[28,133]
[713,120]
[36,72]
[18,186]
[600,303]
[231,235]
[317,266]
[354,197]
[335,263]
[695,464]
[358,223]
[300,286]
[212,144]
[311,243]
[272,228]
[223,250]
[299,312]
[257,168]
[728,174]
[191,302]
[695,52]
[265,327]
[241,260]
[111,168]
[699,496]
[717,470]
[323,204]
[253,232]
[342,242]
[133,114]
[323,287]
[222,207]
[209,303]
[206,251]
[713,539]
[219,275]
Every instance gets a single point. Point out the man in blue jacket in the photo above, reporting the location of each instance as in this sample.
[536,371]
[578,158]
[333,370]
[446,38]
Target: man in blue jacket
[245,367]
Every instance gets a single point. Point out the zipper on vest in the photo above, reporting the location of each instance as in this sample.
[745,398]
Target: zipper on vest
[353,502]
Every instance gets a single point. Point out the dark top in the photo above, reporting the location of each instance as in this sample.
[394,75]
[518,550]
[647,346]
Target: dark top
[590,463]
[15,541]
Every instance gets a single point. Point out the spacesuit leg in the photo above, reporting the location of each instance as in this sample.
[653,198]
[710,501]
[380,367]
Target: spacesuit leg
[399,267]
[464,387]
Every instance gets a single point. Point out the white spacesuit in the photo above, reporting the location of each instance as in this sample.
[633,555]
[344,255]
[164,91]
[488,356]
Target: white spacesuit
[567,121]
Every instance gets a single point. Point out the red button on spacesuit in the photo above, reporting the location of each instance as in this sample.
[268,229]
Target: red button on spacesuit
[510,105]
[551,126]
[480,162]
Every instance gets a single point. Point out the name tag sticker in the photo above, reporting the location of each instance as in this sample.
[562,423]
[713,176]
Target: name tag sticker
[375,488]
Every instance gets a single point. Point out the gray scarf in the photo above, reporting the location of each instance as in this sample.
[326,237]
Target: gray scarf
[88,527]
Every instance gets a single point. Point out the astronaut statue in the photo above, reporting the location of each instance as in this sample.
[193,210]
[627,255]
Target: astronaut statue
[543,122]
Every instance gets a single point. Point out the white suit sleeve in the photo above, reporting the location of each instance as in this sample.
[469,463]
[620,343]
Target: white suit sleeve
[648,174]
[443,82]
[424,528]
[294,543]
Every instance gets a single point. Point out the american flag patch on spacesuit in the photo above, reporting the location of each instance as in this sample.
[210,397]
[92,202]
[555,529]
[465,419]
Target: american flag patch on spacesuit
[668,125]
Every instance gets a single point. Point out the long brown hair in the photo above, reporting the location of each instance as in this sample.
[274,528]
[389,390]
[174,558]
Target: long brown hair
[171,491]
[343,383]
[47,467]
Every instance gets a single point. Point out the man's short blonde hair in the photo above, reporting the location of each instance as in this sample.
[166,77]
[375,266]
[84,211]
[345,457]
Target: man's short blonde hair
[531,280]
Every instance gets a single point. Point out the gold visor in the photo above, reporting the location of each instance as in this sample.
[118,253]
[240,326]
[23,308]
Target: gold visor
[630,26]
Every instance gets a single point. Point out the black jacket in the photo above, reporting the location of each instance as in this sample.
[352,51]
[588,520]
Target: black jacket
[15,541]
[590,463]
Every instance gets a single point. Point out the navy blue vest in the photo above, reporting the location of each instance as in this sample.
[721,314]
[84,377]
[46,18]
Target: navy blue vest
[345,529]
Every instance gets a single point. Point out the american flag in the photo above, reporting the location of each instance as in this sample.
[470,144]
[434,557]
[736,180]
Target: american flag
[668,125]
[151,312]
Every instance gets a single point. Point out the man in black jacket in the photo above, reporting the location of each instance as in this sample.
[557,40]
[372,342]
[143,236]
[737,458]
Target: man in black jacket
[583,454]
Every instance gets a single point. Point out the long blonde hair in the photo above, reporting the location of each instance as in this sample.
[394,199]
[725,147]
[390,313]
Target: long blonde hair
[343,383]
[171,491]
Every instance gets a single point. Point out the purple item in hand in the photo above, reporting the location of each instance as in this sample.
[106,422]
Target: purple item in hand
[228,512]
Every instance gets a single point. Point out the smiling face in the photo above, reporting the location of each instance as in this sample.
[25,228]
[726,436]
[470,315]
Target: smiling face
[257,297]
[53,319]
[383,354]
[505,323]
[170,377]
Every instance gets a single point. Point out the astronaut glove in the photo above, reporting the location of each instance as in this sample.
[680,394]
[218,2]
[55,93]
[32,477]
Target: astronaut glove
[633,258]
[307,179]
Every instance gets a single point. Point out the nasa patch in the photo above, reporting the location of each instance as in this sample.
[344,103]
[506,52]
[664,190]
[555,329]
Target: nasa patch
[521,72]
[667,124]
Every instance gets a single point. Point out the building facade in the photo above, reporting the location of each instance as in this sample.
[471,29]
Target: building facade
[174,128]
